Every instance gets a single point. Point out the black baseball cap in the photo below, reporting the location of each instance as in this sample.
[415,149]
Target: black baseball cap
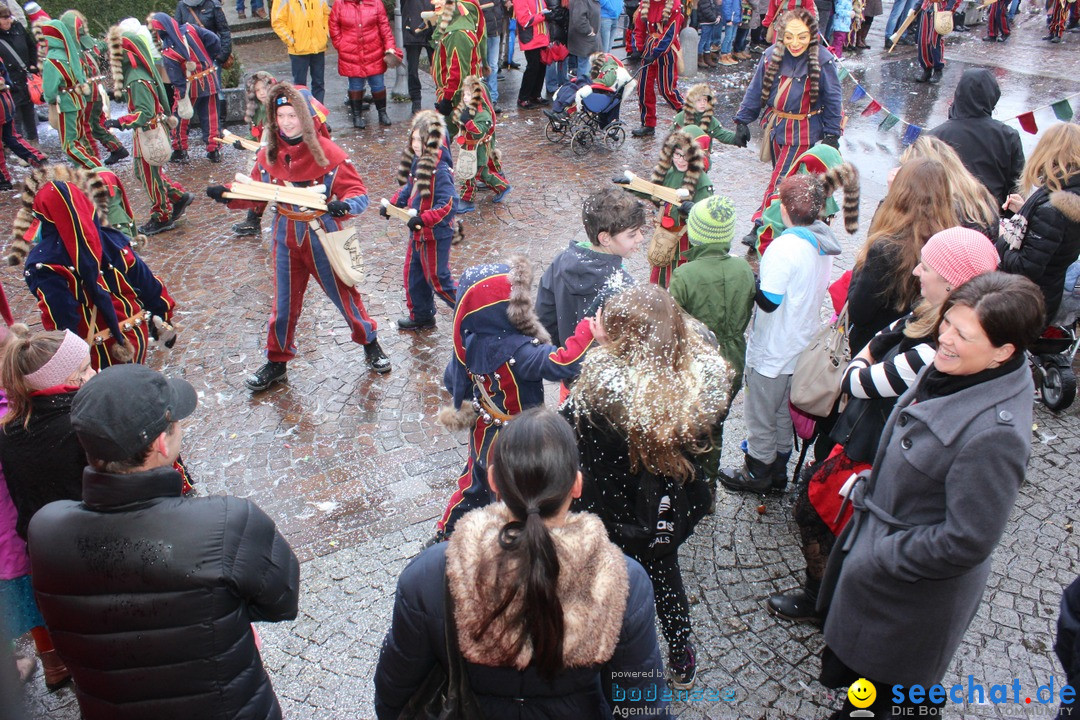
[119,411]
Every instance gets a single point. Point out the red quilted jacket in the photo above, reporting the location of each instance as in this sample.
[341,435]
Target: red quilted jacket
[360,31]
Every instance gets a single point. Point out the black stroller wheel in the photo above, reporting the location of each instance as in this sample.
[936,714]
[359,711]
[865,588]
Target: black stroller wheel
[1058,387]
[555,131]
[582,141]
[615,135]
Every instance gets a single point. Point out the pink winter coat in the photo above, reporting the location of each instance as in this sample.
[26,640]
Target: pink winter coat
[14,562]
[360,31]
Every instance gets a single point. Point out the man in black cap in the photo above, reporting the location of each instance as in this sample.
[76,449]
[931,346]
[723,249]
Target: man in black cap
[149,595]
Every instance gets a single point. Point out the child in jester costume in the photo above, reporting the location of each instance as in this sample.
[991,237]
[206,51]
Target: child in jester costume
[825,161]
[475,117]
[426,176]
[135,76]
[64,84]
[683,163]
[258,92]
[502,355]
[458,42]
[698,110]
[93,58]
[188,53]
[83,272]
[297,154]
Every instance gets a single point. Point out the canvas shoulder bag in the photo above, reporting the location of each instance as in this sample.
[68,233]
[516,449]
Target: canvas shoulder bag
[815,384]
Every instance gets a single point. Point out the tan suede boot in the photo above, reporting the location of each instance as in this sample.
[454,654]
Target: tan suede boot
[56,672]
[728,60]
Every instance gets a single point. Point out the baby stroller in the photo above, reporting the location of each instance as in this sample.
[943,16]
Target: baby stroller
[597,121]
[1053,354]
[561,114]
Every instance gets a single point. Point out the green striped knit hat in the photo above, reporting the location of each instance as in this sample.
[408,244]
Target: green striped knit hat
[712,222]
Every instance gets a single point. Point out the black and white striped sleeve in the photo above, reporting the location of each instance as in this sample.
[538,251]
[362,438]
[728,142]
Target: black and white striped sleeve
[889,378]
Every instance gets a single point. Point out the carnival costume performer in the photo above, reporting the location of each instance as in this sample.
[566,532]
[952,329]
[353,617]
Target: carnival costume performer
[656,31]
[64,84]
[682,164]
[502,355]
[188,53]
[1056,21]
[297,154]
[83,273]
[932,45]
[135,76]
[11,138]
[475,118]
[698,110]
[796,91]
[94,115]
[257,89]
[458,54]
[426,177]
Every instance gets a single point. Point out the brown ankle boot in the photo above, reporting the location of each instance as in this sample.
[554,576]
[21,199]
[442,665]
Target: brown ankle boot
[56,672]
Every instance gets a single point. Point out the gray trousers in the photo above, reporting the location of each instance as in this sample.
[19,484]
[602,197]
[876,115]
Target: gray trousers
[768,421]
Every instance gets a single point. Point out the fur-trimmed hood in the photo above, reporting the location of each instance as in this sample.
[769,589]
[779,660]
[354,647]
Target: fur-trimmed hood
[64,47]
[130,58]
[249,88]
[468,17]
[432,129]
[85,180]
[695,159]
[701,90]
[1067,203]
[593,587]
[778,51]
[281,93]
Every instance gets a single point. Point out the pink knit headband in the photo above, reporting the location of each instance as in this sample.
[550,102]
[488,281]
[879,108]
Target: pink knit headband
[68,358]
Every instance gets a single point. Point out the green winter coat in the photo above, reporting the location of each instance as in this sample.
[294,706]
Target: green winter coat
[715,130]
[718,289]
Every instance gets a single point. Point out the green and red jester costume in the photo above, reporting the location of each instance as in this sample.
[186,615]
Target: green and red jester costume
[93,58]
[477,125]
[457,41]
[63,83]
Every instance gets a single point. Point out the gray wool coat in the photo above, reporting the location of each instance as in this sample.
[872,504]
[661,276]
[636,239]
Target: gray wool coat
[944,482]
[583,39]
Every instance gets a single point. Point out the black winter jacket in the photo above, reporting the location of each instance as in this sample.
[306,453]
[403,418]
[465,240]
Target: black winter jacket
[43,461]
[1067,646]
[989,149]
[1052,241]
[26,51]
[150,597]
[416,642]
[411,22]
[576,283]
[209,15]
[870,308]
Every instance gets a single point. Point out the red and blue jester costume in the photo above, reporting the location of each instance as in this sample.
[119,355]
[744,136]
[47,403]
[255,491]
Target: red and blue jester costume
[188,53]
[298,255]
[502,355]
[427,186]
[932,45]
[83,273]
[656,33]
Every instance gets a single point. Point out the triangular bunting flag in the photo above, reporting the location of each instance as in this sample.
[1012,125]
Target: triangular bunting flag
[871,109]
[1063,110]
[858,94]
[842,73]
[889,122]
[1027,122]
[911,134]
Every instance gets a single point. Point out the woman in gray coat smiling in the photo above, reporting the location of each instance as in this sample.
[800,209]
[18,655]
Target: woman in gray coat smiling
[909,571]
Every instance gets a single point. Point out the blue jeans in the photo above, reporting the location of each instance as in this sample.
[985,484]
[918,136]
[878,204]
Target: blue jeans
[301,64]
[493,66]
[900,10]
[1014,8]
[607,32]
[742,39]
[511,39]
[375,82]
[728,38]
[706,37]
[255,5]
[582,66]
[555,76]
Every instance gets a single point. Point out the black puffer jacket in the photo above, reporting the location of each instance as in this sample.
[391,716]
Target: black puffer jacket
[43,461]
[1052,241]
[990,149]
[150,597]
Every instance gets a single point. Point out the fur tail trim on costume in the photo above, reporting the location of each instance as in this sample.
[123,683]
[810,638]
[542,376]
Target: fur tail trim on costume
[519,310]
[115,40]
[121,353]
[459,233]
[432,128]
[453,420]
[847,177]
[249,88]
[695,159]
[85,180]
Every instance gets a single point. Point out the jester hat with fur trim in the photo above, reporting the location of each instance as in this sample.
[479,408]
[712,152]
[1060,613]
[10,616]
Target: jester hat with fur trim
[432,131]
[25,225]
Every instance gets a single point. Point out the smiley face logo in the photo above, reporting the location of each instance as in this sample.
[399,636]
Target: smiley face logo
[862,693]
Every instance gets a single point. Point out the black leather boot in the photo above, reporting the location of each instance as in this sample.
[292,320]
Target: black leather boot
[379,98]
[356,109]
[754,476]
[925,77]
[778,472]
[798,605]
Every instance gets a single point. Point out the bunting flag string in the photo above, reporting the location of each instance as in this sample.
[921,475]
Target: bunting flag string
[1062,109]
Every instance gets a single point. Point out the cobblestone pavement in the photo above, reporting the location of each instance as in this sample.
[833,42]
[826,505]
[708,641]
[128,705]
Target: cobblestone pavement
[354,470]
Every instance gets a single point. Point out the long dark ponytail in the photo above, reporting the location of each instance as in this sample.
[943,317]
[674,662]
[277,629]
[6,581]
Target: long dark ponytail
[535,463]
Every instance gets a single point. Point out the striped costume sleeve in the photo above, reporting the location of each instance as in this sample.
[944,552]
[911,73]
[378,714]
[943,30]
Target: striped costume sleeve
[889,378]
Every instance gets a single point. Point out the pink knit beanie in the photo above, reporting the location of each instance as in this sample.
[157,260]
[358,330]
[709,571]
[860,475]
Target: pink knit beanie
[959,254]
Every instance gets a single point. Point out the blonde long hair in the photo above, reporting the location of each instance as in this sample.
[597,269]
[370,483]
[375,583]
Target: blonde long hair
[916,207]
[973,201]
[1055,159]
[656,382]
